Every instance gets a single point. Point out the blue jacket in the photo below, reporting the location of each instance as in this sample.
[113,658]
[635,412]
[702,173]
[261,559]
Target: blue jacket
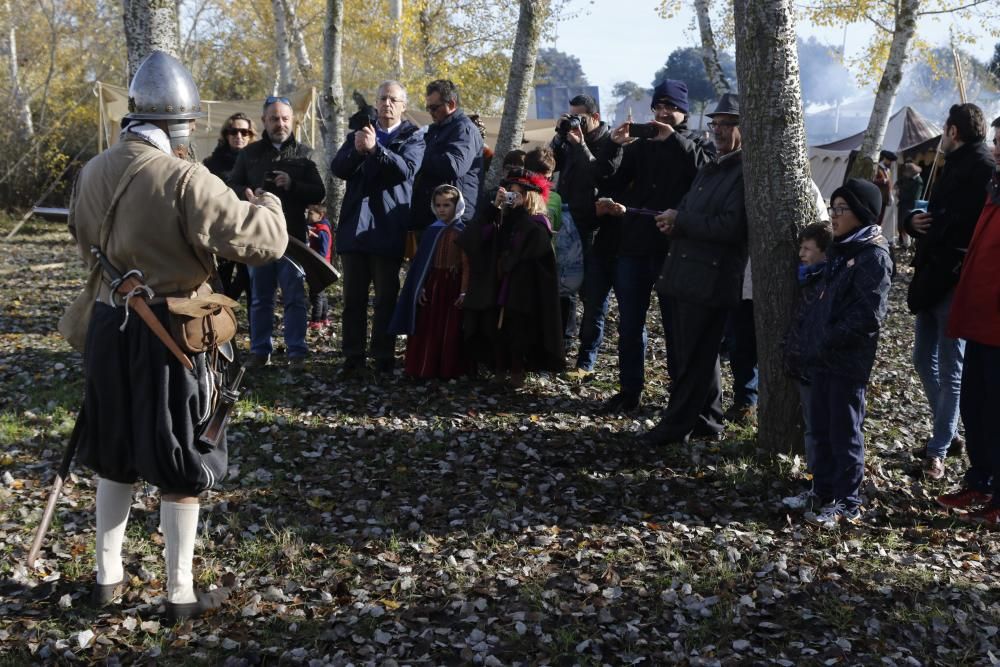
[385,178]
[840,328]
[453,156]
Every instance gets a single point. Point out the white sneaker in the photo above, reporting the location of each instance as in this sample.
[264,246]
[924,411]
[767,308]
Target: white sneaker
[832,514]
[800,501]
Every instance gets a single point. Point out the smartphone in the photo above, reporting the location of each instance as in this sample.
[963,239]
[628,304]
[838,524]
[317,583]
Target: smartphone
[642,130]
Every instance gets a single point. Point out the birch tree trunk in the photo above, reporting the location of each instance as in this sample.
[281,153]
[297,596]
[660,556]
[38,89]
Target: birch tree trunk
[22,110]
[902,34]
[779,199]
[150,25]
[298,42]
[396,15]
[284,83]
[332,104]
[519,82]
[709,49]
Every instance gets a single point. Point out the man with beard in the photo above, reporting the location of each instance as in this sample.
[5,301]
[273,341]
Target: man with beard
[703,276]
[654,175]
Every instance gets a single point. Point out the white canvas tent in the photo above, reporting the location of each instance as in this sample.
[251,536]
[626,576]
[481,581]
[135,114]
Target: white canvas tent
[908,131]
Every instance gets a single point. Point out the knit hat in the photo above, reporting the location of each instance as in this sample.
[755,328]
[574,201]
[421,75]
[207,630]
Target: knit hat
[862,197]
[672,92]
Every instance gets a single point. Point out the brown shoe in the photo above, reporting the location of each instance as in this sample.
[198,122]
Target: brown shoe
[934,468]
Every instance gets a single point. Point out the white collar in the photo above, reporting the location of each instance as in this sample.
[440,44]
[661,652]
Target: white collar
[149,133]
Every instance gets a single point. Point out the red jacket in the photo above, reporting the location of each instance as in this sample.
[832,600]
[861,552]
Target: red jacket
[975,310]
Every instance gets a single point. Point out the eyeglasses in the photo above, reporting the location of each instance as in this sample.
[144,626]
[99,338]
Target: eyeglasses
[432,108]
[272,99]
[391,100]
[837,211]
[719,124]
[242,131]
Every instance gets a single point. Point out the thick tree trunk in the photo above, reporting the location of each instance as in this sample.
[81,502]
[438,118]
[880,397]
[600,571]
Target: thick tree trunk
[284,83]
[522,74]
[396,16]
[709,49]
[19,100]
[332,103]
[150,25]
[902,35]
[779,199]
[298,42]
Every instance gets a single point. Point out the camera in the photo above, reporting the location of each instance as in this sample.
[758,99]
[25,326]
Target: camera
[510,198]
[569,122]
[642,131]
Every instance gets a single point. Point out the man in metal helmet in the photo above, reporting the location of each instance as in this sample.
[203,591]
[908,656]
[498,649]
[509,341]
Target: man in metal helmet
[138,208]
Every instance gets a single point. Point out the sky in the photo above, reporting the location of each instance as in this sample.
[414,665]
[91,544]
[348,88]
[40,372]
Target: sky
[622,40]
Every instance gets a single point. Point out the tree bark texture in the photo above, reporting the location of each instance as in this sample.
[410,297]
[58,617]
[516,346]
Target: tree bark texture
[519,82]
[19,99]
[332,102]
[709,49]
[298,42]
[779,198]
[285,81]
[150,25]
[902,35]
[396,16]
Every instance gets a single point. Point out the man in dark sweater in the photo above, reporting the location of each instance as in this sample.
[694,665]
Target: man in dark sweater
[943,233]
[280,165]
[654,175]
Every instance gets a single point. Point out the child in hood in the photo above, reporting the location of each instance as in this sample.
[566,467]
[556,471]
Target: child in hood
[429,309]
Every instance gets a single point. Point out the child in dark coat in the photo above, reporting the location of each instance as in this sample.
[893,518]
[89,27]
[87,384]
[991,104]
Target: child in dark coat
[512,319]
[321,242]
[839,342]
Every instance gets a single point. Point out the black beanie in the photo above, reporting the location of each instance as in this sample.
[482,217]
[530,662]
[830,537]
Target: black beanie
[862,197]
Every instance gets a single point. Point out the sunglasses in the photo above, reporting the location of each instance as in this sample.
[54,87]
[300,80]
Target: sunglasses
[272,99]
[242,131]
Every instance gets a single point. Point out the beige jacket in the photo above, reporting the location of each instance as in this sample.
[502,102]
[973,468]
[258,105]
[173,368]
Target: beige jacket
[171,219]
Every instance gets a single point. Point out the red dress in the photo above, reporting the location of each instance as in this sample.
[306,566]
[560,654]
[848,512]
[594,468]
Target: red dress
[435,348]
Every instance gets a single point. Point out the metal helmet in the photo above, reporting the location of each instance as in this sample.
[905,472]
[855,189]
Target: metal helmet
[163,89]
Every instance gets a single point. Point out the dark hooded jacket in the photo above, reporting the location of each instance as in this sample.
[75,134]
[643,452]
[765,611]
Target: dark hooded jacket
[955,204]
[385,178]
[453,155]
[307,187]
[654,175]
[839,334]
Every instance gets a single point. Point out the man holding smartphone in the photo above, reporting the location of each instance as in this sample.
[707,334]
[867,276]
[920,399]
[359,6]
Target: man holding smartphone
[659,161]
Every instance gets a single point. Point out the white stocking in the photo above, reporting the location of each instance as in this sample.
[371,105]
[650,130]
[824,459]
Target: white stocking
[179,523]
[113,503]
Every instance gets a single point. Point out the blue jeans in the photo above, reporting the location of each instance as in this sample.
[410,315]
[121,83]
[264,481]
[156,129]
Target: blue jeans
[598,274]
[980,398]
[938,360]
[633,282]
[264,281]
[837,413]
[743,354]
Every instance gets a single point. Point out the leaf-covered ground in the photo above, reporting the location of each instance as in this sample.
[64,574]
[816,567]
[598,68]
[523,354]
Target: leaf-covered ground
[379,521]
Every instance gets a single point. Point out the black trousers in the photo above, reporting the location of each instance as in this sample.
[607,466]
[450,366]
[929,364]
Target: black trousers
[980,398]
[696,395]
[361,272]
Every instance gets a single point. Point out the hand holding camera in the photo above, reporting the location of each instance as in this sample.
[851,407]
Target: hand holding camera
[364,139]
[275,180]
[570,127]
[505,198]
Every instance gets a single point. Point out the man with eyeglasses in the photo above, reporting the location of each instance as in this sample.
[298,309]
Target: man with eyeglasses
[703,276]
[279,164]
[942,233]
[453,155]
[378,162]
[654,175]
